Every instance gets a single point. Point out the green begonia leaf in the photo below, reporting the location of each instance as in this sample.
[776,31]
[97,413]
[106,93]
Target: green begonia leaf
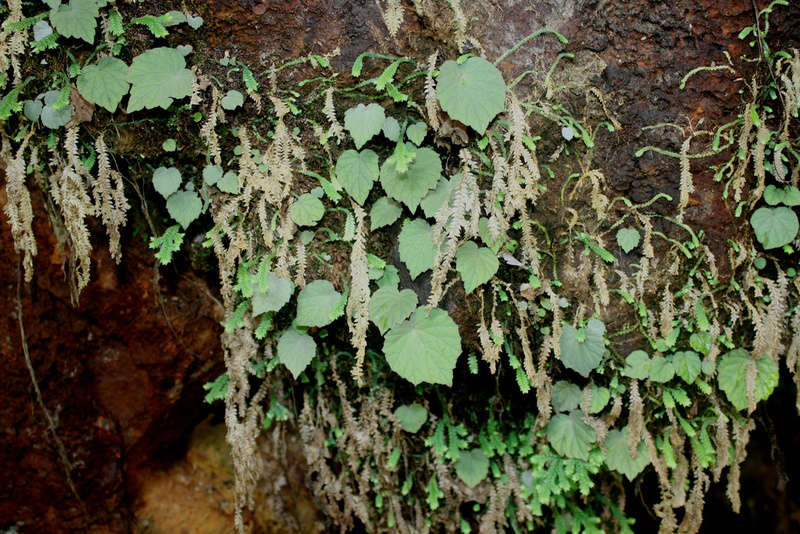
[661,369]
[774,227]
[570,436]
[582,350]
[618,455]
[384,212]
[732,377]
[473,92]
[788,195]
[792,197]
[232,100]
[296,350]
[774,195]
[472,467]
[357,171]
[194,21]
[637,365]
[410,187]
[424,348]
[441,193]
[416,246]
[76,19]
[55,118]
[566,396]
[390,278]
[229,183]
[166,180]
[158,76]
[32,109]
[307,210]
[389,307]
[391,129]
[627,239]
[104,84]
[416,133]
[486,235]
[687,365]
[363,122]
[600,397]
[476,265]
[278,293]
[319,304]
[184,207]
[41,30]
[411,416]
[212,174]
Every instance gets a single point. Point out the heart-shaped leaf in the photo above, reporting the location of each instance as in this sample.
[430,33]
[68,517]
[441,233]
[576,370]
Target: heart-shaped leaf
[76,19]
[410,187]
[618,455]
[792,196]
[32,109]
[296,350]
[390,278]
[184,207]
[158,76]
[278,293]
[391,129]
[661,369]
[194,21]
[389,307]
[104,84]
[732,377]
[476,265]
[55,118]
[566,396]
[411,417]
[774,195]
[774,227]
[232,100]
[319,304]
[212,174]
[637,365]
[472,92]
[363,122]
[472,466]
[229,183]
[439,195]
[357,171]
[424,348]
[582,350]
[384,212]
[570,436]
[600,397]
[166,180]
[416,246]
[627,239]
[306,210]
[416,132]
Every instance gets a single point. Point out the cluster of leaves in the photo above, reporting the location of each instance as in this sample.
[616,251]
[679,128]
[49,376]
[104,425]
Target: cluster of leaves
[154,79]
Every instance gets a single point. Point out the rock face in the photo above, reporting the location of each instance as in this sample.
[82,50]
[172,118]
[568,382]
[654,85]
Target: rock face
[123,389]
[124,384]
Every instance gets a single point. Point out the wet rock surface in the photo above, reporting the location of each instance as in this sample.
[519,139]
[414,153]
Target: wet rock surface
[125,387]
